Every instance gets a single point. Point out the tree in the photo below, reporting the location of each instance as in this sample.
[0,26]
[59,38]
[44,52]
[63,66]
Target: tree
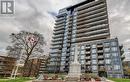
[27,44]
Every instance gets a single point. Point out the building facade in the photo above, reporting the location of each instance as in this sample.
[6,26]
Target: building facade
[6,66]
[85,23]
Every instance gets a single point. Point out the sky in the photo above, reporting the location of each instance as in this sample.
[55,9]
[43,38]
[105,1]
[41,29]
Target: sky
[39,15]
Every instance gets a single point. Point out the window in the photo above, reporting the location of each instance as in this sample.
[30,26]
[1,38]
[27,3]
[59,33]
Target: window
[94,61]
[64,45]
[94,55]
[93,50]
[62,62]
[82,52]
[114,48]
[116,60]
[109,68]
[72,48]
[65,37]
[108,61]
[115,54]
[94,67]
[66,33]
[82,57]
[74,27]
[74,31]
[73,40]
[82,47]
[73,35]
[94,46]
[107,44]
[113,43]
[72,53]
[107,55]
[65,41]
[72,58]
[74,20]
[107,49]
[63,54]
[82,62]
[116,67]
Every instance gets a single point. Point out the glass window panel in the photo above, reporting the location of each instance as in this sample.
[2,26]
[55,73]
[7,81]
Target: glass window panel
[94,46]
[113,43]
[115,54]
[82,57]
[82,52]
[94,67]
[114,48]
[93,50]
[107,55]
[82,47]
[106,44]
[94,61]
[82,62]
[116,67]
[107,49]
[94,55]
[108,61]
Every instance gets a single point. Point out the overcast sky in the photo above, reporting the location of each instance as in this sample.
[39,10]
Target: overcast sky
[39,15]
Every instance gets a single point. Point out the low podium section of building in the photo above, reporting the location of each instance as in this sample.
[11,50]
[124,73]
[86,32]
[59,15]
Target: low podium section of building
[6,66]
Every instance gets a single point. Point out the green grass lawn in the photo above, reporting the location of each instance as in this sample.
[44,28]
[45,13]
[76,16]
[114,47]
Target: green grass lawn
[119,80]
[15,80]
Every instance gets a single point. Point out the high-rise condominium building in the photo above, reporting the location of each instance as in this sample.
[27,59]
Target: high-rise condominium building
[86,25]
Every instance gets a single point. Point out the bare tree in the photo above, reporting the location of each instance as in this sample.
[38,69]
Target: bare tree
[27,44]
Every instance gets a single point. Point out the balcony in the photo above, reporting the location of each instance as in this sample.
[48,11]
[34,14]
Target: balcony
[88,52]
[55,47]
[94,12]
[90,4]
[58,36]
[88,57]
[94,23]
[99,46]
[88,47]
[100,57]
[57,43]
[100,62]
[60,25]
[100,51]
[57,29]
[55,51]
[60,19]
[91,33]
[88,63]
[92,20]
[91,8]
[60,22]
[94,37]
[59,32]
[92,16]
[91,28]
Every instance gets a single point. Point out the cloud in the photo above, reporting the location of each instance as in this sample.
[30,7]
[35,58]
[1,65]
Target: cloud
[119,20]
